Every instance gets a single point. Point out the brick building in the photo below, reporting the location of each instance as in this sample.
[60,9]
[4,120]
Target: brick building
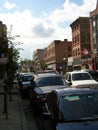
[94,36]
[81,48]
[38,58]
[56,55]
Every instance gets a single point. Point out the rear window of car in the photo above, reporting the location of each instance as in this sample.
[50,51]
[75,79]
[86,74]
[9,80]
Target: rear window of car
[49,81]
[81,76]
[27,78]
[79,107]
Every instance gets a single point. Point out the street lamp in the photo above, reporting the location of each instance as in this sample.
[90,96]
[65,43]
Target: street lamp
[64,64]
[64,59]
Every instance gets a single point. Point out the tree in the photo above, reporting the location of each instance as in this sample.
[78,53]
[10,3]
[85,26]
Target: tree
[27,65]
[13,53]
[43,65]
[3,45]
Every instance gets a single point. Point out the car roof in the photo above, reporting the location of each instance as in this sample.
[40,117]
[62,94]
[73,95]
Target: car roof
[47,75]
[28,75]
[68,91]
[91,71]
[45,71]
[76,72]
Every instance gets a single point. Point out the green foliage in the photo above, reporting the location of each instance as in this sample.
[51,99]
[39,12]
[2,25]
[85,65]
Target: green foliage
[27,65]
[3,45]
[43,65]
[13,57]
[13,53]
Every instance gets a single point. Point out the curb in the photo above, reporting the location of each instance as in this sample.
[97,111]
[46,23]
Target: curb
[24,125]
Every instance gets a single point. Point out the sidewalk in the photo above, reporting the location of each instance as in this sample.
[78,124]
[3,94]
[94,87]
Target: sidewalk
[16,119]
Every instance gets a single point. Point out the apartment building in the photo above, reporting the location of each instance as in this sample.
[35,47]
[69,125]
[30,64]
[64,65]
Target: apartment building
[81,47]
[56,55]
[94,36]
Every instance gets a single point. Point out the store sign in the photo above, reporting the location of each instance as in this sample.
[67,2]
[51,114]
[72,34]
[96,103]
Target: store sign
[3,58]
[70,61]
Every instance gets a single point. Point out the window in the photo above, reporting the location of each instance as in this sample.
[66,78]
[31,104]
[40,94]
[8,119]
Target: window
[49,81]
[81,76]
[79,107]
[27,78]
[68,77]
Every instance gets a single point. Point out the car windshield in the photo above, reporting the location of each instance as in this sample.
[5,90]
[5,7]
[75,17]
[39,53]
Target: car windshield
[81,76]
[49,81]
[27,78]
[78,107]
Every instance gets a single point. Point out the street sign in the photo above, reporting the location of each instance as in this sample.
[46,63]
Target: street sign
[3,58]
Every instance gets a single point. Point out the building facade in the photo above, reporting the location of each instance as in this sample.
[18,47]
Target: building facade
[81,47]
[38,58]
[56,55]
[94,36]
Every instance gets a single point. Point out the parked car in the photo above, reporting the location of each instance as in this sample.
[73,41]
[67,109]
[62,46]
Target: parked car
[78,78]
[25,83]
[71,109]
[44,84]
[93,73]
[19,77]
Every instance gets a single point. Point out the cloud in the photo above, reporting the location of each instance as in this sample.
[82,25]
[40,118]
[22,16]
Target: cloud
[9,5]
[39,32]
[71,11]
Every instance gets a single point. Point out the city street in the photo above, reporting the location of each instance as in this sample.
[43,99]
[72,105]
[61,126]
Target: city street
[49,65]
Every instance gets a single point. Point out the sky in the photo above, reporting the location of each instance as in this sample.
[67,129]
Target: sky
[40,22]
